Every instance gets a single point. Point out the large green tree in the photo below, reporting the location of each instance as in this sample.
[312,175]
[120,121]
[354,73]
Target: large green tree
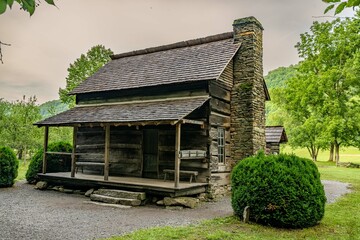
[322,100]
[82,68]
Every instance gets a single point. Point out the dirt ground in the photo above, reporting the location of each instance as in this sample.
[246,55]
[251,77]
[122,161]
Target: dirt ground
[26,213]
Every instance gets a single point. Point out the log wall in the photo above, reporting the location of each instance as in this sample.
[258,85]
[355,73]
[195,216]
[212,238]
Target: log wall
[125,149]
[220,118]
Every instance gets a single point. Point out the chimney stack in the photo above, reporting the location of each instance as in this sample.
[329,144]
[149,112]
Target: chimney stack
[248,93]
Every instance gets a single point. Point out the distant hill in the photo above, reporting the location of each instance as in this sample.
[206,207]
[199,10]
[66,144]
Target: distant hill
[51,108]
[277,77]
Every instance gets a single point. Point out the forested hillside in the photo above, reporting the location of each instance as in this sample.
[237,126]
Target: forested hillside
[277,77]
[52,107]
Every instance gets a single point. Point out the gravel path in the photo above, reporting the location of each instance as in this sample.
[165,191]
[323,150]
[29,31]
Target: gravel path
[26,213]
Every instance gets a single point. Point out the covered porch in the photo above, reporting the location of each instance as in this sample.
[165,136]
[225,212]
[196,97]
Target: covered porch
[151,186]
[135,115]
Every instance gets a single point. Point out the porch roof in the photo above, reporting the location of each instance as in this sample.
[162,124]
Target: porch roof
[156,111]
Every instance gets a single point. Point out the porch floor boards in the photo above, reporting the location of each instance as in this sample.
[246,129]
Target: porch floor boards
[154,186]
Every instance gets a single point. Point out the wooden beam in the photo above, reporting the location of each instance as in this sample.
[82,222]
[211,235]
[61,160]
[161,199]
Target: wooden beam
[73,154]
[177,154]
[107,152]
[195,122]
[46,140]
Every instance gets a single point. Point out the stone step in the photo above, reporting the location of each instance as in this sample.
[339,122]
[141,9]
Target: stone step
[115,200]
[121,194]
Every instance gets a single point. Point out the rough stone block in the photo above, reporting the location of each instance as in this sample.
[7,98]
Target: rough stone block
[181,201]
[41,185]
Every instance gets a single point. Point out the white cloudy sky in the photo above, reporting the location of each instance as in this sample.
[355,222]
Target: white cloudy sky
[43,46]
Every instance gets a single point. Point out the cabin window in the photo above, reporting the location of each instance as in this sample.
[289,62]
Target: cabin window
[221,145]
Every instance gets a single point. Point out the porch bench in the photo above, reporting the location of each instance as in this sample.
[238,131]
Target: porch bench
[182,172]
[82,164]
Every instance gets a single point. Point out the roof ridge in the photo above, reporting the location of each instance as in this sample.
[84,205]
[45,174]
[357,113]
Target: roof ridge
[188,43]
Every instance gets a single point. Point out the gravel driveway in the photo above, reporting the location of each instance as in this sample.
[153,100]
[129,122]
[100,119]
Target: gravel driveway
[26,213]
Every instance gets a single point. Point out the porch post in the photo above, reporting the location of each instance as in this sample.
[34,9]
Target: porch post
[73,157]
[107,152]
[177,154]
[46,140]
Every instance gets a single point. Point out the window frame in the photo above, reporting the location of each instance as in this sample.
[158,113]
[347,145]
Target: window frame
[221,146]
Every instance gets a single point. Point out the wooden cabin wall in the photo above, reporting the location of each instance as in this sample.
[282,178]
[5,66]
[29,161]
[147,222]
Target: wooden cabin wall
[192,138]
[220,118]
[226,76]
[125,149]
[272,148]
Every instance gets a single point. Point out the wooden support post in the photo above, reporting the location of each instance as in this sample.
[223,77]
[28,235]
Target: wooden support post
[46,140]
[177,154]
[73,156]
[107,152]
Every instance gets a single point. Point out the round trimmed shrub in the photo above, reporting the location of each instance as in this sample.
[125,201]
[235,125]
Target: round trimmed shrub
[280,190]
[8,167]
[55,163]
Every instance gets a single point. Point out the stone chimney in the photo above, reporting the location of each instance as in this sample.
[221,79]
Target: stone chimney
[248,93]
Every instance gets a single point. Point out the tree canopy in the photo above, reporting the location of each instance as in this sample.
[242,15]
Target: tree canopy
[16,126]
[341,5]
[322,101]
[82,68]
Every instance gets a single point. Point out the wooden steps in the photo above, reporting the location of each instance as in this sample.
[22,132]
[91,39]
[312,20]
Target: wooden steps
[115,196]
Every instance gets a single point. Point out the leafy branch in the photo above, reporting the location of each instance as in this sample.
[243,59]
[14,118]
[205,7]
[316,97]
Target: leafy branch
[341,5]
[26,5]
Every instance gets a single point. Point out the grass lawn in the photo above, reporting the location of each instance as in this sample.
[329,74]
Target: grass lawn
[341,221]
[350,154]
[22,170]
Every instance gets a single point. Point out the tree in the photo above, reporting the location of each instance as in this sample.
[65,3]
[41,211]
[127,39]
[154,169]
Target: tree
[82,68]
[341,5]
[26,5]
[17,129]
[322,100]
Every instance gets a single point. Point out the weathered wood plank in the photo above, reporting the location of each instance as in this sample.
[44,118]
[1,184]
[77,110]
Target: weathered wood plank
[226,76]
[216,91]
[219,120]
[220,106]
[46,141]
[177,154]
[107,152]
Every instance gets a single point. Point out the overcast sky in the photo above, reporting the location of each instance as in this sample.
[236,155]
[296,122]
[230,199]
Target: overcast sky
[43,46]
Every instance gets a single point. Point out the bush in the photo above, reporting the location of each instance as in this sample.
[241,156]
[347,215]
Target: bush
[55,163]
[8,167]
[281,190]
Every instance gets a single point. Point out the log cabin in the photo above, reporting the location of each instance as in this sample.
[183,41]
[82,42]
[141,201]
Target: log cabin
[170,120]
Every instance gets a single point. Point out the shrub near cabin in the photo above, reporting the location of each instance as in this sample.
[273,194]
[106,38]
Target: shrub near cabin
[280,190]
[8,167]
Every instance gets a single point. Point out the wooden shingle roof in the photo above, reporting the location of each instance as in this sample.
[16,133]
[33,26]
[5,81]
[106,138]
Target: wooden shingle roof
[275,134]
[130,112]
[189,61]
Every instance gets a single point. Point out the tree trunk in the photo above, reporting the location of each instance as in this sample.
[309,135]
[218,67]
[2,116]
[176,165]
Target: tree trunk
[331,157]
[313,151]
[337,150]
[20,153]
[24,155]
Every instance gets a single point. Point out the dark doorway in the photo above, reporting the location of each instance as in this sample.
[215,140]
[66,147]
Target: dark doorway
[150,144]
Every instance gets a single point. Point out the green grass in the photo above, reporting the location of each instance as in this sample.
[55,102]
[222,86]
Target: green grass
[22,170]
[341,220]
[349,154]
